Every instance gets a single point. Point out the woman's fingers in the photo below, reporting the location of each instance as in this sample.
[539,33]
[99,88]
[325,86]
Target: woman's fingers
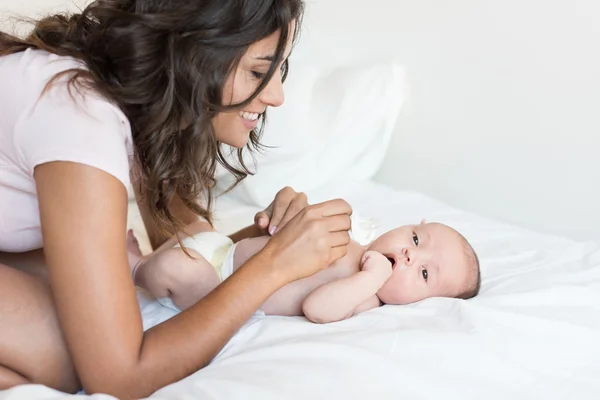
[337,239]
[298,204]
[339,223]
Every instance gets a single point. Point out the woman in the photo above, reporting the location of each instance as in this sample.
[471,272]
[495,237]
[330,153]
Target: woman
[153,87]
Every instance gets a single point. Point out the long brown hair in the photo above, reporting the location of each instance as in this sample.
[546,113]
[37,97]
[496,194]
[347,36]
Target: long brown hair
[164,63]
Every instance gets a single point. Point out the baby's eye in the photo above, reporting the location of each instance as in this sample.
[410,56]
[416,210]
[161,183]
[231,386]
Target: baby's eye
[424,273]
[415,239]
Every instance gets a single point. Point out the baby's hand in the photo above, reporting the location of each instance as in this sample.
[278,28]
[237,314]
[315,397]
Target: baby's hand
[377,263]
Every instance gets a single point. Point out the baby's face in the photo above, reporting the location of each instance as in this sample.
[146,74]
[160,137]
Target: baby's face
[429,260]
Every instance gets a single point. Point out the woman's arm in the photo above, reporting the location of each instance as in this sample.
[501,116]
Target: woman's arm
[83,214]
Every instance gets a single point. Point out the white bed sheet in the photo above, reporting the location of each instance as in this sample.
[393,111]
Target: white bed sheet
[533,332]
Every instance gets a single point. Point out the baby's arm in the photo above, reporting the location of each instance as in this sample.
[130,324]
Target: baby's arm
[343,298]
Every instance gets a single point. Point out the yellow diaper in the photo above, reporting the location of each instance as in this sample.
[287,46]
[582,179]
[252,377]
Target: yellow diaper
[216,248]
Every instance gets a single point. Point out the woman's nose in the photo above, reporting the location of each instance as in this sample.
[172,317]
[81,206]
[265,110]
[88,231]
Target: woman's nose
[272,95]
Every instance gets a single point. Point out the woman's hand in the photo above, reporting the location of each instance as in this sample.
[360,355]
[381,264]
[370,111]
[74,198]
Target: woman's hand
[313,239]
[285,206]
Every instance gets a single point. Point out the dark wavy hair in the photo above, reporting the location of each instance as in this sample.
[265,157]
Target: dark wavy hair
[164,63]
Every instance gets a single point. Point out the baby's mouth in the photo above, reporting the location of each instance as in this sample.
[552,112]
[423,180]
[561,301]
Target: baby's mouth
[392,260]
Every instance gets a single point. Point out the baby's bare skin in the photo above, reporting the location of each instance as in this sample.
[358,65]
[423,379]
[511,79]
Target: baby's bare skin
[404,265]
[289,299]
[169,272]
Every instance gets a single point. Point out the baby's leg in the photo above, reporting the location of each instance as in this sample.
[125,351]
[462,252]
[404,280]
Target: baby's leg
[171,273]
[247,248]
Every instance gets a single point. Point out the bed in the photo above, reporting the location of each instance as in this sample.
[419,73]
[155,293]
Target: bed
[533,332]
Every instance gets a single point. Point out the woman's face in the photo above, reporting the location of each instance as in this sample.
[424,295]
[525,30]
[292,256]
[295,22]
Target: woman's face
[233,127]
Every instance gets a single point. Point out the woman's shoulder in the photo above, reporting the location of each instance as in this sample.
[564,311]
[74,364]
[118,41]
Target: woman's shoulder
[30,73]
[33,76]
[61,120]
[32,68]
[37,57]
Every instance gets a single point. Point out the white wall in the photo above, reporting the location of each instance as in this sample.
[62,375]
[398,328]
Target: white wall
[503,113]
[503,117]
[9,9]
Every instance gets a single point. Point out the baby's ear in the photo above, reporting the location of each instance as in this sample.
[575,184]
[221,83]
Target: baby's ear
[423,221]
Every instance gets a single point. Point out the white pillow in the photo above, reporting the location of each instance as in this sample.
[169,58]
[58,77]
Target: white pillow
[335,125]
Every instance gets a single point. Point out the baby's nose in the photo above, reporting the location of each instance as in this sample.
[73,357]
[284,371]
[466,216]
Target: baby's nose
[408,256]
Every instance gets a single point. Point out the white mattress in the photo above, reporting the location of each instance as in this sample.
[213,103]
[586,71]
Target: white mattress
[533,332]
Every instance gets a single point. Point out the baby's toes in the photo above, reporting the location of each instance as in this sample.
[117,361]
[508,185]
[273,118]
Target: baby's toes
[133,246]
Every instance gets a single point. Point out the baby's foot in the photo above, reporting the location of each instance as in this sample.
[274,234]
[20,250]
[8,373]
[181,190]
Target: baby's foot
[133,246]
[134,254]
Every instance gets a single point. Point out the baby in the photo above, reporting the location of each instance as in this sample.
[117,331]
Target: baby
[402,266]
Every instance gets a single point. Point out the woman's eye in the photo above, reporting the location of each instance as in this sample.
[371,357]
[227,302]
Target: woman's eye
[258,75]
[415,239]
[425,274]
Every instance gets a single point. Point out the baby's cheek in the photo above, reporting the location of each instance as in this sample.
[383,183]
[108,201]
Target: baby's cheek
[400,290]
[392,292]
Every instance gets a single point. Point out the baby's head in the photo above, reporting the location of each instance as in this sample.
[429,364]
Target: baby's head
[428,260]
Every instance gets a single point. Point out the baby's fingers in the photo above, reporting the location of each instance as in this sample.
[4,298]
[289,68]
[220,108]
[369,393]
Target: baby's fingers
[261,219]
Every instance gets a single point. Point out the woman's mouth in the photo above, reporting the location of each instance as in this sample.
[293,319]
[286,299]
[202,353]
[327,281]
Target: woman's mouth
[249,116]
[250,120]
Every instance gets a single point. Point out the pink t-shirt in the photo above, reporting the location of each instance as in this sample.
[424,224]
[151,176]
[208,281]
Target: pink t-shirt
[37,129]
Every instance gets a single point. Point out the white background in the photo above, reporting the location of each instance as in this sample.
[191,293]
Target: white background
[503,114]
[502,117]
